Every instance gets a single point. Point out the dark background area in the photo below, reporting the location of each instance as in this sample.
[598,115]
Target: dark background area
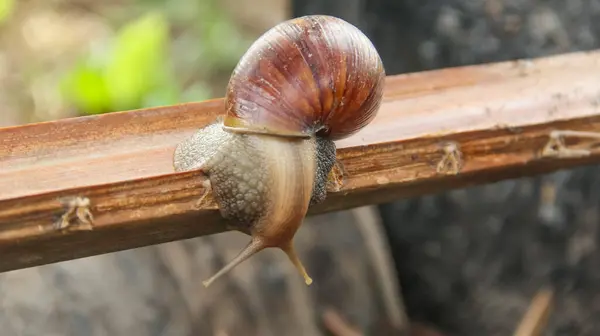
[467,258]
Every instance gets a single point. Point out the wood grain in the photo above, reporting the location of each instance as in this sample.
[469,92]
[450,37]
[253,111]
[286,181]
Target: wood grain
[496,117]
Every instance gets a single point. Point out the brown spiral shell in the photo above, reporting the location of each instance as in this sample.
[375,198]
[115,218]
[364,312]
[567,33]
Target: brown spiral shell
[311,75]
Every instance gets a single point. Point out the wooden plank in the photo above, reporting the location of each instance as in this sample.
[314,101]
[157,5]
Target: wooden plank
[435,131]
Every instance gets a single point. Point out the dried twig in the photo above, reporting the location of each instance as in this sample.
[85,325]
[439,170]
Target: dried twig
[336,325]
[371,229]
[535,319]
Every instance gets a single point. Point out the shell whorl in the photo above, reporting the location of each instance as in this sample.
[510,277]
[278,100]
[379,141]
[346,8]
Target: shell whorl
[313,75]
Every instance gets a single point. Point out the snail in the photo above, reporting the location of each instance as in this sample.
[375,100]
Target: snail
[299,87]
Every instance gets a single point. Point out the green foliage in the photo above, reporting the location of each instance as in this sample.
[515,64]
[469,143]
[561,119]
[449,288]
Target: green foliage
[85,87]
[136,68]
[146,66]
[138,61]
[6,9]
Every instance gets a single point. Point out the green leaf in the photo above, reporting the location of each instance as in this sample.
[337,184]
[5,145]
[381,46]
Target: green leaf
[6,9]
[138,61]
[85,88]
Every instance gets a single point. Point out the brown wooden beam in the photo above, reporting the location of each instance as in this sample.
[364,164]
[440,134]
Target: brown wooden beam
[435,131]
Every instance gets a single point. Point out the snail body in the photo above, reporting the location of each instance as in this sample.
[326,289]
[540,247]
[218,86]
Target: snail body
[303,84]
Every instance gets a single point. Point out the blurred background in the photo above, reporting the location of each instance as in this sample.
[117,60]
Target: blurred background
[464,262]
[64,58]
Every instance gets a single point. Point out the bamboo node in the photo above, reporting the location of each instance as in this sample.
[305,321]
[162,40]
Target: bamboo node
[557,148]
[78,210]
[336,177]
[207,197]
[452,162]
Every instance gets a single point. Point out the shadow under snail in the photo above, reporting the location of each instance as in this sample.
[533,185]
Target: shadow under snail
[299,87]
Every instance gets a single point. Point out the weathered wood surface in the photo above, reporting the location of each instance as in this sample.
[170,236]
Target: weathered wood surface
[486,123]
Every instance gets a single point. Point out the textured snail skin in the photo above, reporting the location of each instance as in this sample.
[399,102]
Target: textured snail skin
[300,86]
[310,75]
[263,195]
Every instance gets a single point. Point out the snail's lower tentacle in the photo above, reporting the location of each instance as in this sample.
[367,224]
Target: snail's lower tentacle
[289,250]
[255,245]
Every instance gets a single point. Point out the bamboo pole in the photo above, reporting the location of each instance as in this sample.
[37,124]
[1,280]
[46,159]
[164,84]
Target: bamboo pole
[84,186]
